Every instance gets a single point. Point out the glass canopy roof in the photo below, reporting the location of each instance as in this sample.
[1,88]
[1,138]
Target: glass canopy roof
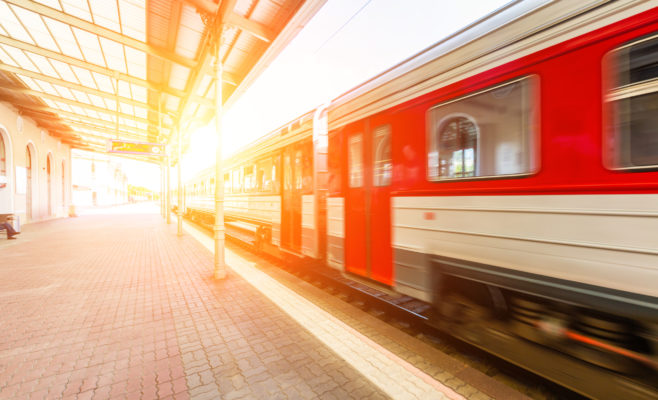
[91,70]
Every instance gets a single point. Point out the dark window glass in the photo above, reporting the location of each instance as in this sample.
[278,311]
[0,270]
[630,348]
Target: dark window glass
[638,62]
[633,106]
[638,120]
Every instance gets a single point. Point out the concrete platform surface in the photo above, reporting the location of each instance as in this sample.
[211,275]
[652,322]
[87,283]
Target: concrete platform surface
[114,305]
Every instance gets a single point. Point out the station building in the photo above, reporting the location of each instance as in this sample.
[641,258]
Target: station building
[35,169]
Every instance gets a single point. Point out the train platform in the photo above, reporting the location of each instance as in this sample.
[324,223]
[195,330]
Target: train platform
[113,304]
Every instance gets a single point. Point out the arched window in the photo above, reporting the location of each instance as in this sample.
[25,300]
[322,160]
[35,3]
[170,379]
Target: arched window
[458,142]
[382,149]
[490,133]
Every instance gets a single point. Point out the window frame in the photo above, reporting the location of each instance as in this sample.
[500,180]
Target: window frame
[533,137]
[378,179]
[612,93]
[351,139]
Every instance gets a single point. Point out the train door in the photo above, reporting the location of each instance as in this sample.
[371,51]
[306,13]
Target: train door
[357,259]
[367,204]
[380,205]
[291,199]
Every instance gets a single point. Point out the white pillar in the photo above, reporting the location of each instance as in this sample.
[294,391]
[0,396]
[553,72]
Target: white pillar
[179,209]
[218,229]
[168,190]
[163,210]
[163,166]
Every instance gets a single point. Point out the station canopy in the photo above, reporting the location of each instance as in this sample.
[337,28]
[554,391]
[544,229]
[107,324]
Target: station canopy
[88,71]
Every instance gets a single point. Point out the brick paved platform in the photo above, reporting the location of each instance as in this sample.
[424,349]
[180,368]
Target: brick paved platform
[115,305]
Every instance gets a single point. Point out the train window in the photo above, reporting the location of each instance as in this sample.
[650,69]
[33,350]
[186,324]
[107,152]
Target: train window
[298,184]
[355,160]
[227,183]
[632,104]
[287,172]
[264,176]
[307,168]
[260,178]
[489,133]
[335,163]
[275,176]
[237,181]
[383,167]
[249,179]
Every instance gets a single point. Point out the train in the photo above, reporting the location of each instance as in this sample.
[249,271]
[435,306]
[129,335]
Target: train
[507,175]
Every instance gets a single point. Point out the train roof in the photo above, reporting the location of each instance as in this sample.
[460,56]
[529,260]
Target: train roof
[290,132]
[517,29]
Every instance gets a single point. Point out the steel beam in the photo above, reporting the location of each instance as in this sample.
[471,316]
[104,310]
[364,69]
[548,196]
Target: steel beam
[106,33]
[98,129]
[253,28]
[135,133]
[75,86]
[95,68]
[41,114]
[35,93]
[72,85]
[218,17]
[100,141]
[37,107]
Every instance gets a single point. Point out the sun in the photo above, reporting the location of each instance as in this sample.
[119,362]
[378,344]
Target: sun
[203,146]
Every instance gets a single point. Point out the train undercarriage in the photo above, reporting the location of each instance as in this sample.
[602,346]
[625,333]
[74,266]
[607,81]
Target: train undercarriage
[600,354]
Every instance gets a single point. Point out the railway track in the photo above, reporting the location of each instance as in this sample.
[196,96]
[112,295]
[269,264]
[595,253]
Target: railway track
[411,316]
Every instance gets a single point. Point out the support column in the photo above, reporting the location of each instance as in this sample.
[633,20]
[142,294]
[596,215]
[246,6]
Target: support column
[179,209]
[162,188]
[163,165]
[168,189]
[218,229]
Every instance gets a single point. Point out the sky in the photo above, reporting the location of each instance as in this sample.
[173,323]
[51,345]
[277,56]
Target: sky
[344,44]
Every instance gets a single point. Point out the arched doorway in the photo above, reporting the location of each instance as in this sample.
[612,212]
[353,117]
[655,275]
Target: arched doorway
[6,173]
[28,186]
[49,172]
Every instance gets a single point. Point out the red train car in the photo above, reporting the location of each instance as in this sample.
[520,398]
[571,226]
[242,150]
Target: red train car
[508,175]
[512,170]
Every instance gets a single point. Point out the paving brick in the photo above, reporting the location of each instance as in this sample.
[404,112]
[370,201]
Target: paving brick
[118,306]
